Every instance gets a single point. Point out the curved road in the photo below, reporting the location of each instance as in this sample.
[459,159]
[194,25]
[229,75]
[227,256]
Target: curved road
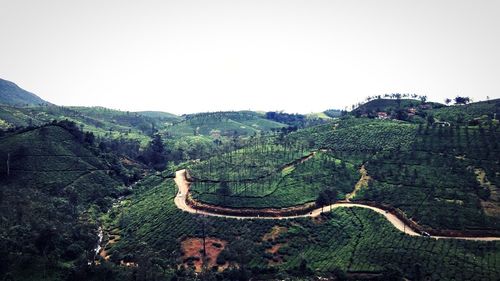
[183,185]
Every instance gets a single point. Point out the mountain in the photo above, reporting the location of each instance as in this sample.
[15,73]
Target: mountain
[11,94]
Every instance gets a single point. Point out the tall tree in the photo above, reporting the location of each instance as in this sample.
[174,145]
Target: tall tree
[156,153]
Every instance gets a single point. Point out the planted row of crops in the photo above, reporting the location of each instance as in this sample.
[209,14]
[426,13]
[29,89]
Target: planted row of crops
[277,186]
[435,182]
[251,162]
[355,135]
[346,239]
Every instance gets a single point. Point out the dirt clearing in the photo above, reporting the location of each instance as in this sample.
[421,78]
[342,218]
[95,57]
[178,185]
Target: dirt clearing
[192,249]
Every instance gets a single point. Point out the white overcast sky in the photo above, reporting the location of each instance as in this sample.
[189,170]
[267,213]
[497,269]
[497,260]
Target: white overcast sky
[299,56]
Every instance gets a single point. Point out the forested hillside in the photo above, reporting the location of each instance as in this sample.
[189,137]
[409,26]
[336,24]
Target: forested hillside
[53,188]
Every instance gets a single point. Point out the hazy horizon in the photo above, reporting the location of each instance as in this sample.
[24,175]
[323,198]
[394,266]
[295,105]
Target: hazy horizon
[297,56]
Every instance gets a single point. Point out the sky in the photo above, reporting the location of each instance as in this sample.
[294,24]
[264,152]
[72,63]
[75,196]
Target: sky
[298,56]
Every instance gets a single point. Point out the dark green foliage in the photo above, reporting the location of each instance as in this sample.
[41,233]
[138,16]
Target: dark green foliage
[334,113]
[293,120]
[48,201]
[155,154]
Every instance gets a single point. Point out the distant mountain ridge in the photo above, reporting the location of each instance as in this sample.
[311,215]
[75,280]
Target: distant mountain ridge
[12,94]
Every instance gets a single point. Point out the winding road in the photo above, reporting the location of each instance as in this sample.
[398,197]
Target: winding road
[183,186]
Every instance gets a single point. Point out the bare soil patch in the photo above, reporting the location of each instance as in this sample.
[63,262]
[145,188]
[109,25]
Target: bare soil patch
[491,206]
[271,237]
[113,238]
[192,249]
[274,233]
[362,183]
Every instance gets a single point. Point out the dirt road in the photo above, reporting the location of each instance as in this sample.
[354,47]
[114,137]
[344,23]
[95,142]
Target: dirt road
[183,185]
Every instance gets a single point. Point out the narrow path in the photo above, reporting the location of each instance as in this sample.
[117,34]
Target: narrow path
[362,183]
[183,185]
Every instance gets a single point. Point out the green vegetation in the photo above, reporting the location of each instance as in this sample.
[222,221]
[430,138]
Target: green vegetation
[473,114]
[345,241]
[435,182]
[429,172]
[274,184]
[52,190]
[66,172]
[353,135]
[216,124]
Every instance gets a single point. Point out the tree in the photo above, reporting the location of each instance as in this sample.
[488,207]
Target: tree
[423,99]
[224,189]
[430,119]
[89,138]
[462,100]
[325,197]
[447,101]
[156,153]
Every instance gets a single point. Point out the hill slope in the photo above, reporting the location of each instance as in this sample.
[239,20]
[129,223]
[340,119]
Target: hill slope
[12,94]
[462,114]
[51,190]
[103,122]
[161,238]
[223,123]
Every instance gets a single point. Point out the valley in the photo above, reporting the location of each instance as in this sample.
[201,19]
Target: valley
[396,189]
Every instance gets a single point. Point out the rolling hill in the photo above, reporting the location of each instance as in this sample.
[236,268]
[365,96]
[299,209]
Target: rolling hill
[388,105]
[462,114]
[232,123]
[429,165]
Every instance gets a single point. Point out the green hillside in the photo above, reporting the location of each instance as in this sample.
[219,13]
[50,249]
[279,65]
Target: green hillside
[103,122]
[260,176]
[11,94]
[152,231]
[168,117]
[53,189]
[436,181]
[417,111]
[473,113]
[63,182]
[216,124]
[428,171]
[388,105]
